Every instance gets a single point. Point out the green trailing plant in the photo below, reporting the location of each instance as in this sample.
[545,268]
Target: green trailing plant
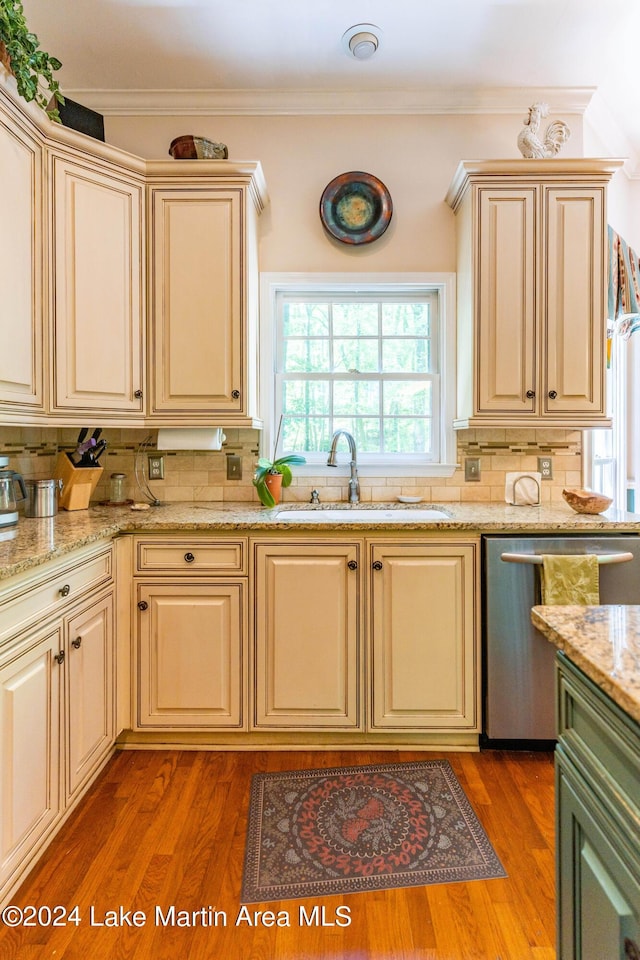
[280,465]
[32,67]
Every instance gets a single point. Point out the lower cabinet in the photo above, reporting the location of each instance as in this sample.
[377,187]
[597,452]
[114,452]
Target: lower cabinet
[598,824]
[191,642]
[423,636]
[90,690]
[307,646]
[385,643]
[57,699]
[30,699]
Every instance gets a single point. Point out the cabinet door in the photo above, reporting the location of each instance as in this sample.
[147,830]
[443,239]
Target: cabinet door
[191,655]
[30,685]
[306,657]
[197,301]
[574,300]
[90,690]
[598,882]
[97,263]
[506,360]
[21,277]
[423,630]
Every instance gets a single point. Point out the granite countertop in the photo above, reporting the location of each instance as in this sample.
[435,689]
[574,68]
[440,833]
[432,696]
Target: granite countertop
[604,642]
[35,540]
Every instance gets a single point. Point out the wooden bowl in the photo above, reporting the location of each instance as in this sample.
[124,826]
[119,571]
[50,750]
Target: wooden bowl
[586,501]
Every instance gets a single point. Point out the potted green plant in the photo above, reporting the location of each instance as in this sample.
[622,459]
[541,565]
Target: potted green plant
[32,67]
[272,475]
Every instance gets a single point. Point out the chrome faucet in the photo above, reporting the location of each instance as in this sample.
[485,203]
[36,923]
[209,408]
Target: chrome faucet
[354,483]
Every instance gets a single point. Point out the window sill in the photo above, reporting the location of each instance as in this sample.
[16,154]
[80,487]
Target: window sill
[379,470]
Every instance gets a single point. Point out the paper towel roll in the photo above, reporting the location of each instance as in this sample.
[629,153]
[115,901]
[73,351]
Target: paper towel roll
[522,489]
[190,438]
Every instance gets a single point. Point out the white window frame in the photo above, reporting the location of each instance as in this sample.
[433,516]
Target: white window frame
[272,284]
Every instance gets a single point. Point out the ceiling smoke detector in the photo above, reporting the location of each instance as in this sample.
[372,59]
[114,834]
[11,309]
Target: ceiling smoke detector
[361,41]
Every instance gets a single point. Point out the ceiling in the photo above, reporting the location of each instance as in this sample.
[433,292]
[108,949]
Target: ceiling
[280,55]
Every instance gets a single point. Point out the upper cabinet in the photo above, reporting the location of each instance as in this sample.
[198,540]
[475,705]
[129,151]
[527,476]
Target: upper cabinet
[97,284]
[532,292]
[116,304]
[203,296]
[21,267]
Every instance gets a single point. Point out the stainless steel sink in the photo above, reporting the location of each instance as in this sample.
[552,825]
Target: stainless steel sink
[363,514]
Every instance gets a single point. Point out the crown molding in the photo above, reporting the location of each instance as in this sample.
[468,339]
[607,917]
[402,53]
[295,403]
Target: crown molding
[450,100]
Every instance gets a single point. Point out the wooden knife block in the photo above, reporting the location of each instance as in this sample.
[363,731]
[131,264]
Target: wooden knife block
[78,483]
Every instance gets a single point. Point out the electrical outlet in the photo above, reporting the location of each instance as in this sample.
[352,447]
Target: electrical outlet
[472,468]
[234,467]
[545,467]
[156,468]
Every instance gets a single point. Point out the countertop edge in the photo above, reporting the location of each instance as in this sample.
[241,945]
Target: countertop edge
[613,686]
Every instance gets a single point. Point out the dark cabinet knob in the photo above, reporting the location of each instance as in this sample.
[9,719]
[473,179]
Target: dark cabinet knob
[553,394]
[189,557]
[235,394]
[65,591]
[137,394]
[59,657]
[377,564]
[142,605]
[352,564]
[530,394]
[77,643]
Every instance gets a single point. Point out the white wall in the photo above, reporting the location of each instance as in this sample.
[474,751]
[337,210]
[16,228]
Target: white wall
[414,156]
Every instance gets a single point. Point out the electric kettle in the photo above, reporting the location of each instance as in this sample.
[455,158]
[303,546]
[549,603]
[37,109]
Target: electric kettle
[9,481]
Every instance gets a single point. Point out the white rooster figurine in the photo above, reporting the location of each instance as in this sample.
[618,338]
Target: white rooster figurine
[555,136]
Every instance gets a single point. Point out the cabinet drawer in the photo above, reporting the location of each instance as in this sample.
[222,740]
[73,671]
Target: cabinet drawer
[52,591]
[601,740]
[191,555]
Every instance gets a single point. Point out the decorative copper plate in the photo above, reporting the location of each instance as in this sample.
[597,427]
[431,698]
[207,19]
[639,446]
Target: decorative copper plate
[356,207]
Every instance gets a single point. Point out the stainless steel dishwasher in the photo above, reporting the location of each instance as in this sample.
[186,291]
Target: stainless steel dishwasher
[518,674]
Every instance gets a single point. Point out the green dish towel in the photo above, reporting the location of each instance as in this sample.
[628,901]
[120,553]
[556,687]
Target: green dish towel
[570,580]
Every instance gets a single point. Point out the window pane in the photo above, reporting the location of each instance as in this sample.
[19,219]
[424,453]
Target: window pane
[305,319]
[355,355]
[408,356]
[365,431]
[305,397]
[407,397]
[310,356]
[407,436]
[306,433]
[360,395]
[355,319]
[405,320]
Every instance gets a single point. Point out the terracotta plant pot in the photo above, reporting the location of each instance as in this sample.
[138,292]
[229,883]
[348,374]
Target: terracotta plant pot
[273,482]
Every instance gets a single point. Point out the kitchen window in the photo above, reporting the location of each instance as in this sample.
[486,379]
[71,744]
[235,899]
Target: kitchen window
[372,356]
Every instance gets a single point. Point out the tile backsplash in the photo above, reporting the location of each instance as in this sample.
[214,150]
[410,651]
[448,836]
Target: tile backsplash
[202,475]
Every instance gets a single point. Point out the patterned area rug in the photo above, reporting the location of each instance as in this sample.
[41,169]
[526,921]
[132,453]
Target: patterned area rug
[349,829]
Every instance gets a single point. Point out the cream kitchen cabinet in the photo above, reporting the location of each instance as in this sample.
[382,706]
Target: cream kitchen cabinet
[97,280]
[89,691]
[203,296]
[424,636]
[190,634]
[531,294]
[57,695]
[411,664]
[30,795]
[308,647]
[21,267]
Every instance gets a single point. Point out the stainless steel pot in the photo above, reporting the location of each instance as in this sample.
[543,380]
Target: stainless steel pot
[42,498]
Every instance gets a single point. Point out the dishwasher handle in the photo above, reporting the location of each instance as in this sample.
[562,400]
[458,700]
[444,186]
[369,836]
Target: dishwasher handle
[537,558]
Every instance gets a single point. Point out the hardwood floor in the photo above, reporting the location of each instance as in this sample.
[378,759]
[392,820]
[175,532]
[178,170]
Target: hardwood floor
[163,828]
